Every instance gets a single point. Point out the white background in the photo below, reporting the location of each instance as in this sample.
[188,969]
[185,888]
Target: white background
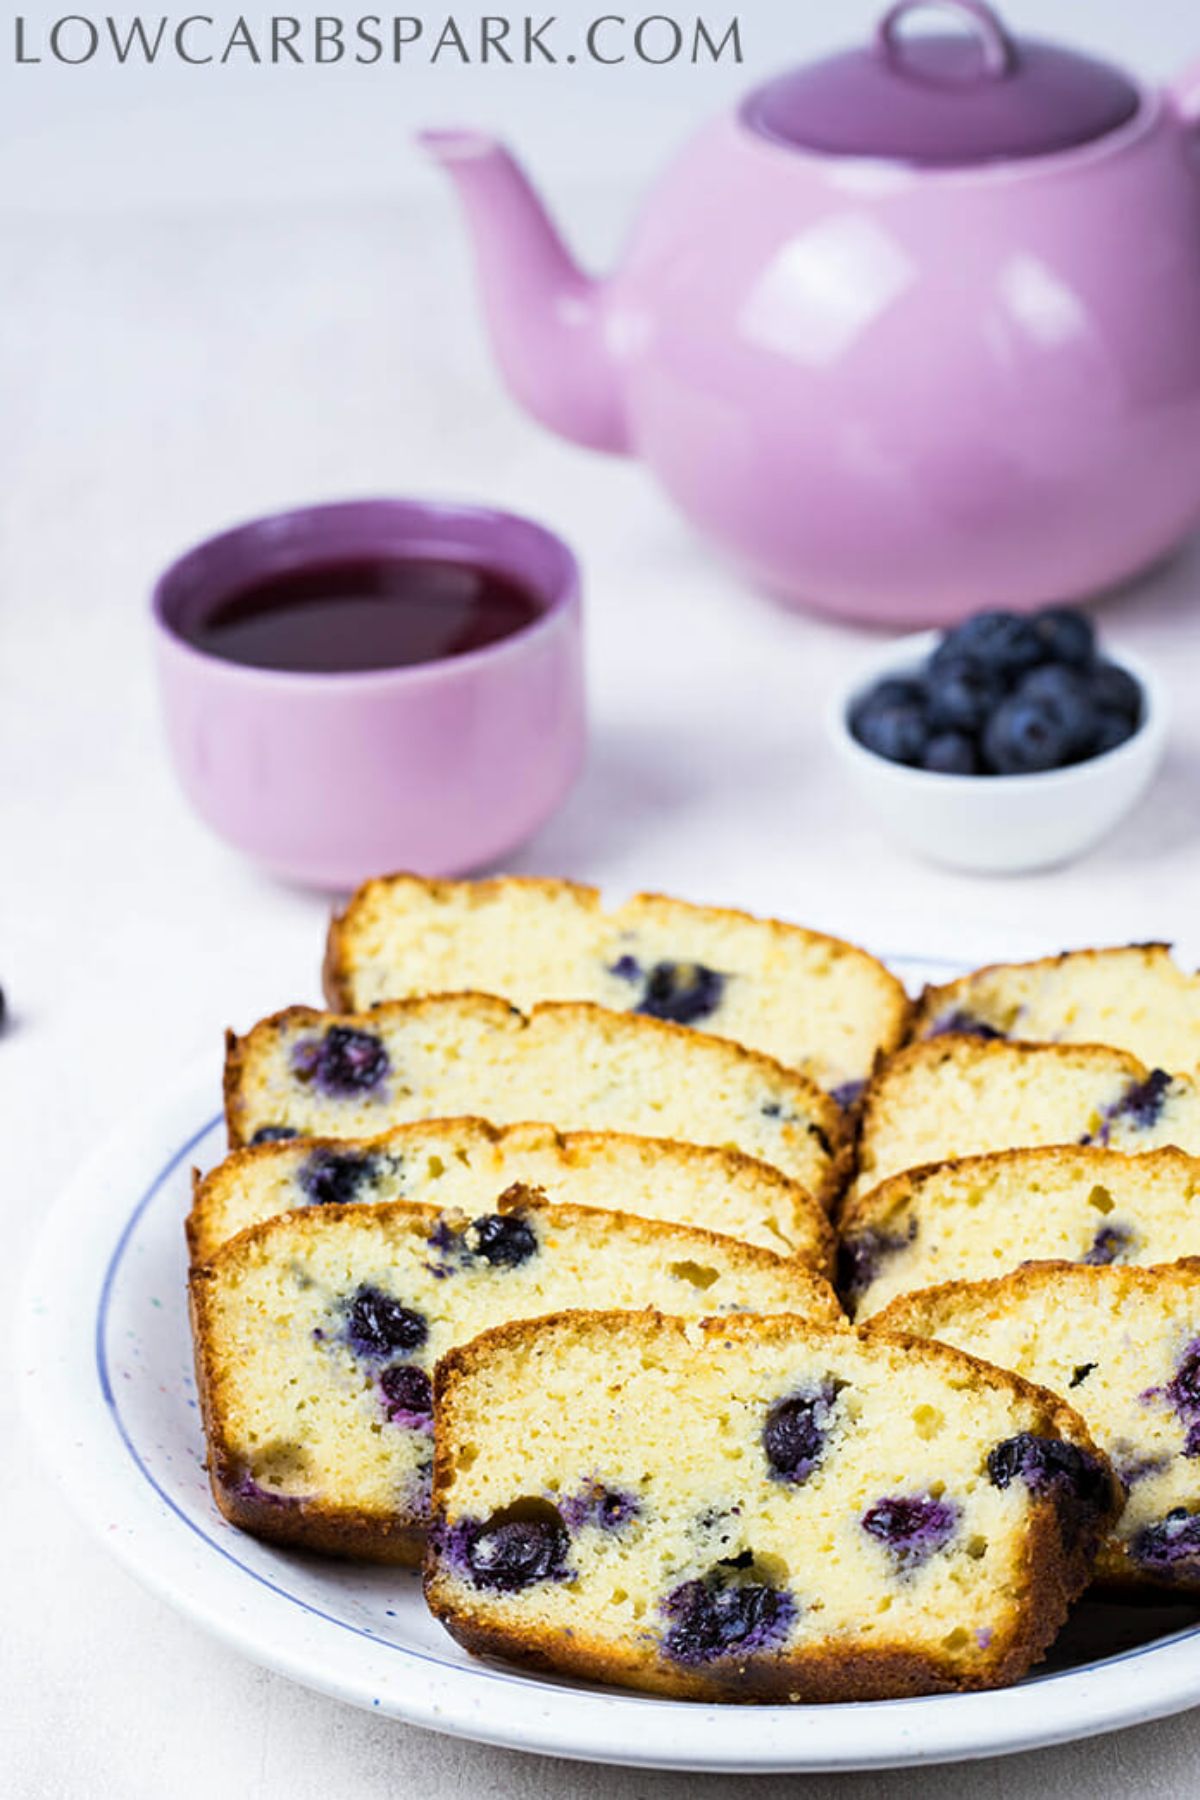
[220,294]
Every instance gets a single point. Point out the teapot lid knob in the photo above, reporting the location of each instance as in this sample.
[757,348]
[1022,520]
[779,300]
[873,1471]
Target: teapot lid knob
[999,50]
[948,100]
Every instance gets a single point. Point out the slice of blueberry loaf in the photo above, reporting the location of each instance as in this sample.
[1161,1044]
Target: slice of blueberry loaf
[755,1508]
[1134,997]
[1123,1347]
[578,1067]
[317,1334]
[814,1002]
[985,1215]
[465,1163]
[965,1096]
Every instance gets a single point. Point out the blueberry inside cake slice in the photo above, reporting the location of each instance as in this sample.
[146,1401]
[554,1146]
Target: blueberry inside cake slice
[317,1333]
[957,1096]
[465,1163]
[755,1508]
[578,1067]
[1133,996]
[985,1215]
[1123,1347]
[814,1002]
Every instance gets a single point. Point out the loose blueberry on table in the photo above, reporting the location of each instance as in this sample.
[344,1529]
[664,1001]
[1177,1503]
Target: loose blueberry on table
[1003,695]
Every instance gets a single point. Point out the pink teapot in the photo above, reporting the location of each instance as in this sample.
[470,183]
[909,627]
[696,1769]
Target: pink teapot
[914,331]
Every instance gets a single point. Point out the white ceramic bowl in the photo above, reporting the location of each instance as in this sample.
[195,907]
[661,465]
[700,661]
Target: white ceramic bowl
[1000,824]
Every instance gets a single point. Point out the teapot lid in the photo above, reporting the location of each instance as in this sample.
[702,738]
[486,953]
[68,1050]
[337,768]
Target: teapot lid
[945,101]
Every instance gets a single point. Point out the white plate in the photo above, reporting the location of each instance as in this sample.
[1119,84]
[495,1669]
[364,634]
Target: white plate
[106,1372]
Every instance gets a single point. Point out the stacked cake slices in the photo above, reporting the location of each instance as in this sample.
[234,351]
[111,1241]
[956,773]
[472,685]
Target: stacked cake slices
[519,1264]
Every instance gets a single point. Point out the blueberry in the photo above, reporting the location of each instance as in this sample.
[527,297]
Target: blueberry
[1169,1547]
[1183,1391]
[964,1024]
[447,1248]
[681,992]
[1112,730]
[1131,1467]
[1051,1468]
[861,1256]
[378,1325]
[1066,636]
[274,1134]
[1109,1243]
[504,1240]
[897,733]
[1114,689]
[1026,737]
[518,1546]
[1065,693]
[408,1392]
[1184,1388]
[335,1177]
[951,753]
[912,1526]
[1045,1464]
[710,1619]
[892,690]
[795,1432]
[848,1094]
[1142,1105]
[627,967]
[608,1509]
[1001,642]
[345,1061]
[961,695]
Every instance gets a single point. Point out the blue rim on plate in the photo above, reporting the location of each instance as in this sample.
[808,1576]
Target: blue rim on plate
[312,1620]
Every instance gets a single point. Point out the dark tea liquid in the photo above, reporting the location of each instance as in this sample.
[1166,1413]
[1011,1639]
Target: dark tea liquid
[365,613]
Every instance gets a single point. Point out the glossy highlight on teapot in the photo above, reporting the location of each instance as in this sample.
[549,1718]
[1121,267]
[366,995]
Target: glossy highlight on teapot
[364,613]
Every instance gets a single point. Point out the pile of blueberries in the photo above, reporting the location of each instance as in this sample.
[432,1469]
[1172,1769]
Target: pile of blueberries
[1003,695]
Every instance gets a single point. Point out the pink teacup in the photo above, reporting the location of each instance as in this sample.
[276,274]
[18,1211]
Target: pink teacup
[329,778]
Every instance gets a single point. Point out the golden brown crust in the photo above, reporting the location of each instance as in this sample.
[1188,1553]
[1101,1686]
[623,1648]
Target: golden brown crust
[337,965]
[1055,1572]
[824,1115]
[805,1210]
[935,998]
[807,1677]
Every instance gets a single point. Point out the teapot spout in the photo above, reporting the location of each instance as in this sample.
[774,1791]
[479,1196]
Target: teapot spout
[546,317]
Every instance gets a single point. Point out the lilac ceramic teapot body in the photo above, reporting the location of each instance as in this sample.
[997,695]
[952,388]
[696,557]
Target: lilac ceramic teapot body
[916,330]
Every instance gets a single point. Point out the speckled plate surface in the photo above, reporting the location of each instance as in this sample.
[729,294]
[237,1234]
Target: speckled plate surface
[105,1367]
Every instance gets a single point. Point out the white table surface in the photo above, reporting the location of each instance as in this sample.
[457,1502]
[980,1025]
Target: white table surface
[159,378]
